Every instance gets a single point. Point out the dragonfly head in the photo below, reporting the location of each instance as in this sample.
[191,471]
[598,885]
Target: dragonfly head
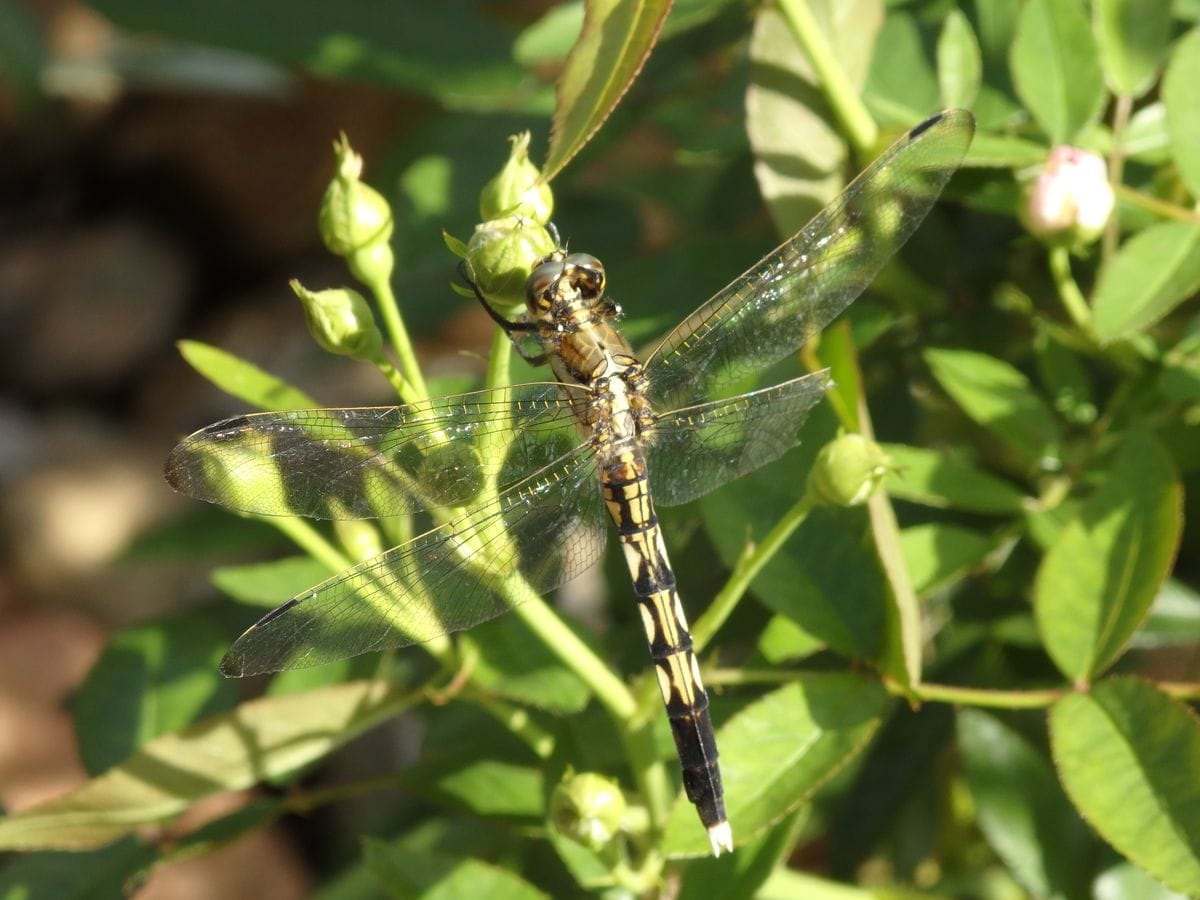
[564,280]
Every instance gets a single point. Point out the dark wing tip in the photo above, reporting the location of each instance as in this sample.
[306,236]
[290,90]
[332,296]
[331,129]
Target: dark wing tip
[959,114]
[232,666]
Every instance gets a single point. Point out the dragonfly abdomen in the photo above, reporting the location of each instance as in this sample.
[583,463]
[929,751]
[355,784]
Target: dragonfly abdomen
[626,493]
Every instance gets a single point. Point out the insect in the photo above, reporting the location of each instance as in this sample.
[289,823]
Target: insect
[523,478]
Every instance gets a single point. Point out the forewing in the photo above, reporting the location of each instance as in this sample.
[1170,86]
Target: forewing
[548,529]
[374,461]
[796,290]
[695,450]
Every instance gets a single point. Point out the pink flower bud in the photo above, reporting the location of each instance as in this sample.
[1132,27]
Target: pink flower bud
[1071,198]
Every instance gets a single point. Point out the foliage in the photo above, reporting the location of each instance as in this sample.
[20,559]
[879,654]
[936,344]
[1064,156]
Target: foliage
[957,688]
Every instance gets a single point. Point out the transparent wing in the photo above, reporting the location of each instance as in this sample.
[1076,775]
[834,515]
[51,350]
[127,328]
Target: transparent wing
[696,450]
[771,310]
[375,461]
[548,528]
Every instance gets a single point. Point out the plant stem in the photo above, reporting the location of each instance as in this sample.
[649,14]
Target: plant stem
[841,95]
[744,572]
[1155,205]
[967,696]
[1068,291]
[1116,166]
[411,371]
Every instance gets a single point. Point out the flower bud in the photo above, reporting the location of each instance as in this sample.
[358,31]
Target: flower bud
[587,808]
[353,215]
[500,256]
[518,190]
[1071,199]
[847,471]
[341,321]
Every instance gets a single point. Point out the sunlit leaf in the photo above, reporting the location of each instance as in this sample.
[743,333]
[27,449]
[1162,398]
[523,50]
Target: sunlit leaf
[617,37]
[959,64]
[999,398]
[242,379]
[777,751]
[148,681]
[1133,37]
[799,154]
[407,873]
[1183,113]
[1095,585]
[937,479]
[1129,757]
[261,739]
[270,583]
[1152,273]
[1056,67]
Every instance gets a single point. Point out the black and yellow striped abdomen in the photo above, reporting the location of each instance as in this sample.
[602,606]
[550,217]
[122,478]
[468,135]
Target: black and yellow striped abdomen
[627,495]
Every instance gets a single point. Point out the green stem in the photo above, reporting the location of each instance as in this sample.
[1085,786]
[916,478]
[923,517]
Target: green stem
[1068,291]
[1155,205]
[841,95]
[498,360]
[745,571]
[411,371]
[967,696]
[402,388]
[311,542]
[1116,164]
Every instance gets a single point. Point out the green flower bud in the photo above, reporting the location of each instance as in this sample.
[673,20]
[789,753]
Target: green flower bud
[353,215]
[341,321]
[518,190]
[847,471]
[587,808]
[500,256]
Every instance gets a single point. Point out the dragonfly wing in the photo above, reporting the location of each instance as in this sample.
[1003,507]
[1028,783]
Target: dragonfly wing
[695,450]
[796,290]
[548,529]
[374,461]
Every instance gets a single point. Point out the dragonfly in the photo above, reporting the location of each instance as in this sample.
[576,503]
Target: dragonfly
[524,480]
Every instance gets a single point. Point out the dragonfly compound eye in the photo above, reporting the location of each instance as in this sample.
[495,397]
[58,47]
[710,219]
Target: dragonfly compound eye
[587,273]
[543,281]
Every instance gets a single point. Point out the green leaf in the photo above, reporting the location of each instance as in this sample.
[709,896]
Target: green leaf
[148,681]
[960,67]
[259,740]
[270,583]
[783,641]
[901,85]
[1174,619]
[1022,810]
[1001,151]
[405,873]
[486,787]
[799,155]
[617,37]
[999,398]
[1096,584]
[1133,37]
[242,379]
[451,51]
[1056,67]
[825,578]
[75,876]
[550,38]
[778,751]
[939,553]
[740,877]
[1064,378]
[512,663]
[937,479]
[1152,273]
[1129,757]
[1183,113]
